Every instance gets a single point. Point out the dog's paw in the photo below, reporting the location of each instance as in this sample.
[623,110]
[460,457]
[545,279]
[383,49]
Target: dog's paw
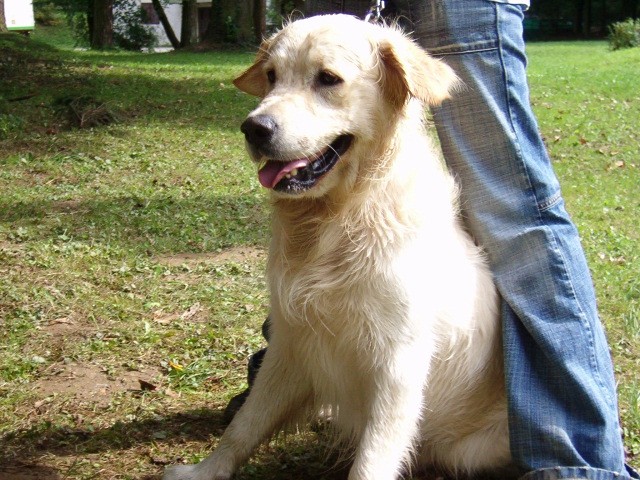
[180,472]
[193,472]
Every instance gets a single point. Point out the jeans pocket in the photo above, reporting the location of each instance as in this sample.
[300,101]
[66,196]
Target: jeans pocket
[452,27]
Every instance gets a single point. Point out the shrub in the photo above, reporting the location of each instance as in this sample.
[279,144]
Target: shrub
[46,13]
[9,123]
[624,34]
[129,31]
[80,28]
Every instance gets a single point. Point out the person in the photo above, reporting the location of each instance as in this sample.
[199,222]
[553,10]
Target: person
[563,414]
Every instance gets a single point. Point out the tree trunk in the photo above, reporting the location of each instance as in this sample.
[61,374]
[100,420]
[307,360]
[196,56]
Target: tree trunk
[102,24]
[3,20]
[629,9]
[604,14]
[259,19]
[175,43]
[215,31]
[577,17]
[189,33]
[90,6]
[587,17]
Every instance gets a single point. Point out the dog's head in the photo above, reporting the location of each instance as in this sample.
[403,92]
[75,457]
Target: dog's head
[331,87]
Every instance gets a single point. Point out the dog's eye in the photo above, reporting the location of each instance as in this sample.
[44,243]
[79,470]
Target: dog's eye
[271,76]
[328,79]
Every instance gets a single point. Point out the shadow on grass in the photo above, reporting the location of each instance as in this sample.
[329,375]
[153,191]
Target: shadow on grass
[162,224]
[170,88]
[293,460]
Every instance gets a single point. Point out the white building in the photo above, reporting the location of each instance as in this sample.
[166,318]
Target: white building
[173,11]
[19,15]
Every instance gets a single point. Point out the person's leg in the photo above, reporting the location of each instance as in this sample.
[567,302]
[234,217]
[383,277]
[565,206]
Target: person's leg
[560,385]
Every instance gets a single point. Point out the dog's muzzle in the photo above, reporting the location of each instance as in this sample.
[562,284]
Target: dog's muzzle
[289,175]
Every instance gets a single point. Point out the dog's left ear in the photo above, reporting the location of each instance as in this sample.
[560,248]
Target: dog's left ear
[254,81]
[410,71]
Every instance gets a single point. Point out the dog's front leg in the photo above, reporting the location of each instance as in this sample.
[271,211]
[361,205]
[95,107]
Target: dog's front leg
[277,395]
[388,439]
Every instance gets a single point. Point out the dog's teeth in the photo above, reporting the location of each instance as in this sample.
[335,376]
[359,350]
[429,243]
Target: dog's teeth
[293,173]
[288,175]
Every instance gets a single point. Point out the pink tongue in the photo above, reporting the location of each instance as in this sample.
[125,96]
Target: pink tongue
[274,171]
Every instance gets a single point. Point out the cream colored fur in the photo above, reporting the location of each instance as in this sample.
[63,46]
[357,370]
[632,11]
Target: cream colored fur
[383,309]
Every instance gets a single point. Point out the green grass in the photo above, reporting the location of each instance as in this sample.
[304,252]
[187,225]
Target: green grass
[136,251]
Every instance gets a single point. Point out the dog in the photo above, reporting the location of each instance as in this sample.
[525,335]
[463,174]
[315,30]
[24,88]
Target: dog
[383,310]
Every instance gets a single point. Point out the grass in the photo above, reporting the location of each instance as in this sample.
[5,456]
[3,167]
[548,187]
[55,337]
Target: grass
[132,254]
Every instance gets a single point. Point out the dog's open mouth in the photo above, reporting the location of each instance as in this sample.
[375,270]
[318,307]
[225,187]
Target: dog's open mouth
[303,173]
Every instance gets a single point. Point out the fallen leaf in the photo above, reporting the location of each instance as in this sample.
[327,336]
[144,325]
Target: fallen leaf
[160,460]
[170,393]
[176,366]
[66,320]
[146,386]
[195,308]
[165,318]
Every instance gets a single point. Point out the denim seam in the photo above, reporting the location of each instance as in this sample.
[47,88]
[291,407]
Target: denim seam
[458,50]
[508,100]
[585,323]
[541,207]
[550,202]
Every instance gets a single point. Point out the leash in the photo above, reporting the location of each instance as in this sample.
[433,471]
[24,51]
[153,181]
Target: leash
[374,15]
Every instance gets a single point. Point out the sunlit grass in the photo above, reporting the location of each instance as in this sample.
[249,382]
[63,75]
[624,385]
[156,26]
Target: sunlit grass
[140,246]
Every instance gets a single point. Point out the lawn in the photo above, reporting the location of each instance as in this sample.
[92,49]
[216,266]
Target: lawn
[132,251]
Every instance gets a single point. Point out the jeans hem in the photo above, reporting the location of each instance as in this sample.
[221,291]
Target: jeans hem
[575,473]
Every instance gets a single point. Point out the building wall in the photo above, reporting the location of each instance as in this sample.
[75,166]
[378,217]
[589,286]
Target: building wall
[19,14]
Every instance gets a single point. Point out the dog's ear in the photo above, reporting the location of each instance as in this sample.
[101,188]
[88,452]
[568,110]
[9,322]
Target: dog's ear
[409,71]
[253,80]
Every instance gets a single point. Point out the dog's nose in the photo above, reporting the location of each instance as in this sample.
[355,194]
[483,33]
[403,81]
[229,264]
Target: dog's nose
[259,129]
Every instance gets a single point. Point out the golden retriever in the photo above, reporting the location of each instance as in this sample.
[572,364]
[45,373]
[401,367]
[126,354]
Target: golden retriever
[383,310]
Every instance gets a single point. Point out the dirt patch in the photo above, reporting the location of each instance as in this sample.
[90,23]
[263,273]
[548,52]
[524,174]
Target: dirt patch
[91,382]
[233,254]
[28,472]
[196,313]
[66,327]
[68,207]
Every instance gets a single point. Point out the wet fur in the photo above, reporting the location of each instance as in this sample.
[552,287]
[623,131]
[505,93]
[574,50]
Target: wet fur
[383,310]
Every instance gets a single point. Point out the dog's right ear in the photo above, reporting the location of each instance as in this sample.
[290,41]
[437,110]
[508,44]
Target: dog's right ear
[254,80]
[410,71]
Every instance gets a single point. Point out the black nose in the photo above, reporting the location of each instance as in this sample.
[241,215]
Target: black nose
[259,129]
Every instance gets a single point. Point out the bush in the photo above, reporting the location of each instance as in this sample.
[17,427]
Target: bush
[129,31]
[8,124]
[80,28]
[624,34]
[45,13]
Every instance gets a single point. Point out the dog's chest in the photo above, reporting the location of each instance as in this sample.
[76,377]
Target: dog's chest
[341,265]
[346,283]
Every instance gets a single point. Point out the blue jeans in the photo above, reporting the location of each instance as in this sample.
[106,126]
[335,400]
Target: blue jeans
[563,412]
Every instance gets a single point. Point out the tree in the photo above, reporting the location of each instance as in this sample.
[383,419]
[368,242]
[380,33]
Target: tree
[101,24]
[214,34]
[3,20]
[175,43]
[630,9]
[259,19]
[189,31]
